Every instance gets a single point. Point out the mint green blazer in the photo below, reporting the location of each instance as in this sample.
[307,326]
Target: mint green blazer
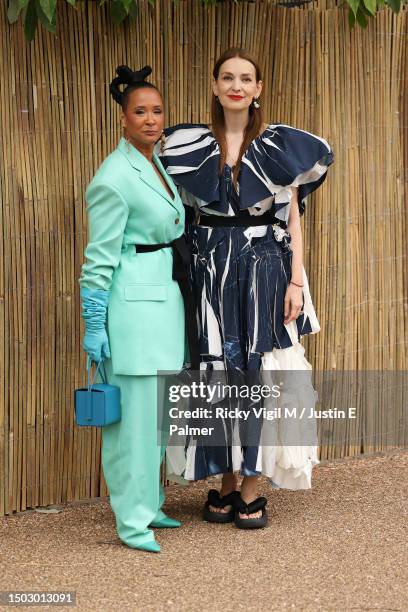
[128,205]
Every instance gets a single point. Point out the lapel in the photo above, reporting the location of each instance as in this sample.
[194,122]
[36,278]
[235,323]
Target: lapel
[147,172]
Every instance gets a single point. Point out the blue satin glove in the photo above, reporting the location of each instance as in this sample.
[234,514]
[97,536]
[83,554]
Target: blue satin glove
[94,305]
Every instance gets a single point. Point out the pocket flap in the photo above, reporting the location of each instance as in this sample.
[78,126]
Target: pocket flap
[135,293]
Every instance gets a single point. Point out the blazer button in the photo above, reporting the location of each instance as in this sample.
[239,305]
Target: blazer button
[177,221]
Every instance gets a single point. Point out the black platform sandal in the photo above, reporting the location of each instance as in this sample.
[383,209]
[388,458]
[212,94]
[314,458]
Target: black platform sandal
[214,499]
[254,506]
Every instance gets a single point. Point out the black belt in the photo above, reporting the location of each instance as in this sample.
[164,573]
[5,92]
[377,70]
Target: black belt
[242,219]
[181,273]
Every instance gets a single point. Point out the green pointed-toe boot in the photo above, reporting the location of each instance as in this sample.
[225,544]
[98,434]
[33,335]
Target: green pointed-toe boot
[165,522]
[151,546]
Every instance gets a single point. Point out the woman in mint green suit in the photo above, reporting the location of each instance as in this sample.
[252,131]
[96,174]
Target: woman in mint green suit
[132,306]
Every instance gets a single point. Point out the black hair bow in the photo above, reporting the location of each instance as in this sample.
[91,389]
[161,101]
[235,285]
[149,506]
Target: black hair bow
[127,76]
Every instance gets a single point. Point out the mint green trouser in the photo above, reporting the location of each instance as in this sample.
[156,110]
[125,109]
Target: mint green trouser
[131,458]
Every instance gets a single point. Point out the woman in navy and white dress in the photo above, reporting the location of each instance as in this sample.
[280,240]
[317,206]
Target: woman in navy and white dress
[245,183]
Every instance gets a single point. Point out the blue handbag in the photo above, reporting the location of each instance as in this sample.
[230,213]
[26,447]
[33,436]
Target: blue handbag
[97,404]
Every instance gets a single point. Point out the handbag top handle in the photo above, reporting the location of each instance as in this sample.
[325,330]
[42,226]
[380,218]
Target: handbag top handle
[102,372]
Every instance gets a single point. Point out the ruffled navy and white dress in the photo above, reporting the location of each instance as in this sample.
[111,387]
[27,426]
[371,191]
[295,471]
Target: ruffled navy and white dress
[240,276]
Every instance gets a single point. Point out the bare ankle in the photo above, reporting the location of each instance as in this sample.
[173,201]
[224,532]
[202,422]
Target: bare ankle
[229,484]
[249,489]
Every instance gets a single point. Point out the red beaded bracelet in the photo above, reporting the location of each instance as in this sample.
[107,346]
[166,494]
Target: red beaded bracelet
[296,285]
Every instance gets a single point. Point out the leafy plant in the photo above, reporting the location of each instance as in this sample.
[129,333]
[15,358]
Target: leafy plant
[360,10]
[45,11]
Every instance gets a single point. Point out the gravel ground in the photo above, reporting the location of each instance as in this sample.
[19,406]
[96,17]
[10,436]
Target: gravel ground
[340,546]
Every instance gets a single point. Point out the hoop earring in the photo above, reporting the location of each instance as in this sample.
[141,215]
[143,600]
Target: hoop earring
[256,103]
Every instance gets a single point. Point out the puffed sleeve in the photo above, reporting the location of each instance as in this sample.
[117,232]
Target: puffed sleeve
[191,156]
[107,217]
[281,158]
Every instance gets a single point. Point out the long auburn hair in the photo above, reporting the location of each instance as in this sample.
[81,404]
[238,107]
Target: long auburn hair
[255,119]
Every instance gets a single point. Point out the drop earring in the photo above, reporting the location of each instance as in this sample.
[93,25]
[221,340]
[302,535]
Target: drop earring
[127,143]
[256,103]
[162,142]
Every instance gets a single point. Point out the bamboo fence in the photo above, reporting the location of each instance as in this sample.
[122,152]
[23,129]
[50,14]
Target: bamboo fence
[58,123]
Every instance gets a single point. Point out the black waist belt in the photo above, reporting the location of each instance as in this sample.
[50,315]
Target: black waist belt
[181,273]
[242,219]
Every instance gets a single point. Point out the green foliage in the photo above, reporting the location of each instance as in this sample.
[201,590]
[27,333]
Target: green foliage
[48,19]
[30,20]
[48,7]
[395,5]
[14,8]
[45,11]
[360,10]
[118,10]
[371,6]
